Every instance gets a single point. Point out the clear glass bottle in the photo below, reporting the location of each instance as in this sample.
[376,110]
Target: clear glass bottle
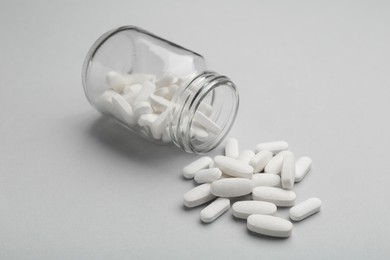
[159,89]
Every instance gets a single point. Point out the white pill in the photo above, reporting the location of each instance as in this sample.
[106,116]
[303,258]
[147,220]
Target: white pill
[260,160]
[214,210]
[207,175]
[158,103]
[166,137]
[166,80]
[104,104]
[266,179]
[231,148]
[205,108]
[162,92]
[122,110]
[198,195]
[246,156]
[231,187]
[274,147]
[140,108]
[269,225]
[140,78]
[116,81]
[200,164]
[243,209]
[275,164]
[199,133]
[159,125]
[147,89]
[278,196]
[302,167]
[147,119]
[233,167]
[305,209]
[206,122]
[288,171]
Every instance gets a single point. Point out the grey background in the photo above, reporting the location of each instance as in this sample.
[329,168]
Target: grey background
[76,186]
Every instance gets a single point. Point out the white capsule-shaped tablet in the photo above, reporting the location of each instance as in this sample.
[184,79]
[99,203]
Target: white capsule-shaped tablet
[231,187]
[246,156]
[104,104]
[302,167]
[231,148]
[287,175]
[116,81]
[243,209]
[278,196]
[274,147]
[266,180]
[122,110]
[199,133]
[166,80]
[275,164]
[260,160]
[214,210]
[141,108]
[269,225]
[147,89]
[147,119]
[207,175]
[206,122]
[305,209]
[158,103]
[233,167]
[200,164]
[159,125]
[198,195]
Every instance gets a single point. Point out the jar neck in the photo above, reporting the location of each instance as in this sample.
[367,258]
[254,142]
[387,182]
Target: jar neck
[211,96]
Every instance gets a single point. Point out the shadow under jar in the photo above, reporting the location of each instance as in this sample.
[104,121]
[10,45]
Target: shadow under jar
[159,90]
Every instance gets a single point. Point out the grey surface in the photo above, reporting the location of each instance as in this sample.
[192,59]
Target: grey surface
[76,186]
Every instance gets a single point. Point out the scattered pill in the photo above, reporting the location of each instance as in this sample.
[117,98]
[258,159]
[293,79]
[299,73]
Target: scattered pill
[275,164]
[288,171]
[302,167]
[274,147]
[207,175]
[243,209]
[246,156]
[305,209]
[233,167]
[278,196]
[198,195]
[266,179]
[269,225]
[231,187]
[231,148]
[200,164]
[260,160]
[214,210]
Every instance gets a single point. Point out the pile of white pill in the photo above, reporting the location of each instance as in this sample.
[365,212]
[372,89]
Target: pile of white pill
[141,101]
[269,175]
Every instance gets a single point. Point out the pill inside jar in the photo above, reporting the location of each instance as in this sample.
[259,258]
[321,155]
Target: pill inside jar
[159,90]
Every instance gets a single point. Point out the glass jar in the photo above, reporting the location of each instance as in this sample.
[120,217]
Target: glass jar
[159,90]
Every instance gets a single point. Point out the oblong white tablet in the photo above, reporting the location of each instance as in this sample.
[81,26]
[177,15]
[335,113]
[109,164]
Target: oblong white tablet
[274,147]
[202,163]
[159,125]
[260,160]
[122,110]
[206,122]
[266,179]
[147,119]
[158,103]
[269,225]
[117,81]
[214,210]
[305,209]
[207,175]
[243,209]
[231,187]
[233,167]
[275,164]
[231,148]
[288,171]
[278,196]
[198,195]
[246,156]
[302,167]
